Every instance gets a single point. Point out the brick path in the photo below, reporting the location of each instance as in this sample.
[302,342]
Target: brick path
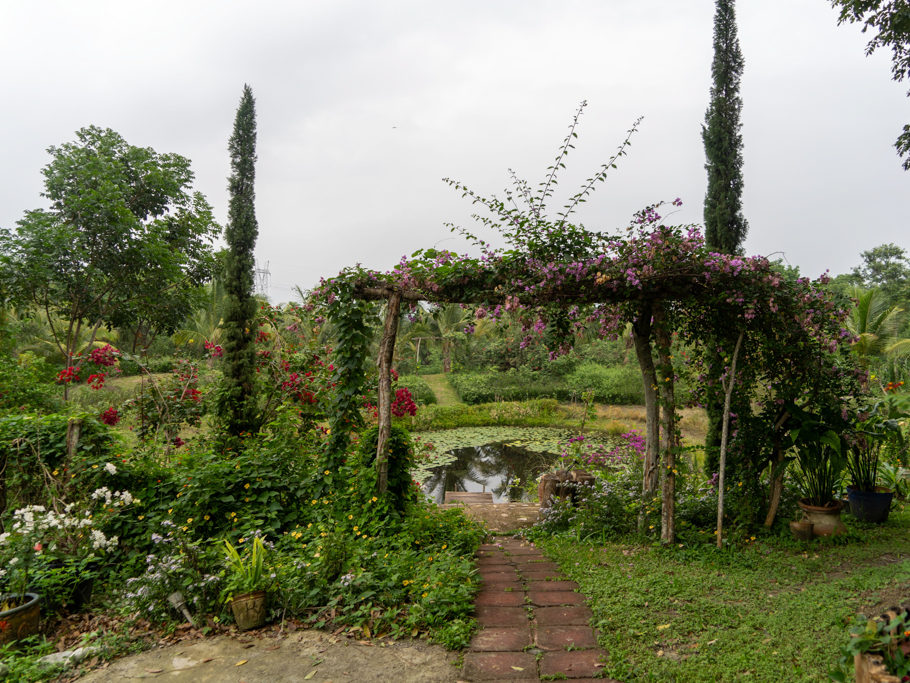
[533,623]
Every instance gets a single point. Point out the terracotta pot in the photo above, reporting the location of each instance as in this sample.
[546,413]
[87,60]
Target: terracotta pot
[825,520]
[801,530]
[20,621]
[249,610]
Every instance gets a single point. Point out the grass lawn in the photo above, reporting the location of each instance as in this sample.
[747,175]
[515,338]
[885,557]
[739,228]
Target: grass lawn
[765,610]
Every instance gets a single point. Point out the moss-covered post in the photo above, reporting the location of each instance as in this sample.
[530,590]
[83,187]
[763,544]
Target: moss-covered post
[386,352]
[641,336]
[668,426]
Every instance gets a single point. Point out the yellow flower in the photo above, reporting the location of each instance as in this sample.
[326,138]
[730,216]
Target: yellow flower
[373,499]
[189,520]
[170,510]
[94,467]
[445,545]
[355,528]
[55,472]
[246,486]
[184,528]
[424,594]
[350,516]
[323,534]
[240,540]
[141,517]
[205,517]
[326,473]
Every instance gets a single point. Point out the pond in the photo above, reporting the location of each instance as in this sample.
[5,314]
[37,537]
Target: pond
[504,461]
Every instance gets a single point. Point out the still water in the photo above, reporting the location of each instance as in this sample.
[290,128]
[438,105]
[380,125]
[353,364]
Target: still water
[506,471]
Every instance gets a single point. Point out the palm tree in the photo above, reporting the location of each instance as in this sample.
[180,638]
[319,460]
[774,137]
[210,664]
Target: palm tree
[877,325]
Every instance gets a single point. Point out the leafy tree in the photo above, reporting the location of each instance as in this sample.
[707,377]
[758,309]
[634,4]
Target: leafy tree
[123,234]
[890,22]
[887,267]
[236,403]
[725,226]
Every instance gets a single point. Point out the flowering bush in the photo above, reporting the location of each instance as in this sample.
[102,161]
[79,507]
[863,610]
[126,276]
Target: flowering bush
[177,563]
[403,403]
[70,533]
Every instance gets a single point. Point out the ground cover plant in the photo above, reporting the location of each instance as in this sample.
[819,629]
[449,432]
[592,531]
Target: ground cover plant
[764,608]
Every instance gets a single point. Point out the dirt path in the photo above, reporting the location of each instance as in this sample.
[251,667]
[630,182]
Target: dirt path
[445,394]
[302,656]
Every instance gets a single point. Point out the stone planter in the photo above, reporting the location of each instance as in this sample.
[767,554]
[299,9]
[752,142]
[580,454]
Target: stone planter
[21,620]
[825,520]
[562,484]
[868,668]
[801,530]
[249,610]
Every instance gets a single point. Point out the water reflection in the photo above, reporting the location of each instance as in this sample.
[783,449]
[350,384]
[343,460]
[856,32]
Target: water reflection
[503,470]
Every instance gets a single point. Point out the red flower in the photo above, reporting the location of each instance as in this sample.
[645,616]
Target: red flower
[110,416]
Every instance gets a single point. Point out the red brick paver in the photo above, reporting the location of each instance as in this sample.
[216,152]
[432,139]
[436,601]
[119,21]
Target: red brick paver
[533,622]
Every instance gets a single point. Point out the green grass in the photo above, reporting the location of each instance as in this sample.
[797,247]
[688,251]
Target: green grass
[445,394]
[766,610]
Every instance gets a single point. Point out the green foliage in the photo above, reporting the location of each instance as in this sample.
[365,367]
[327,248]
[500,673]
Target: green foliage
[123,244]
[414,574]
[236,399]
[615,385]
[33,450]
[725,226]
[400,487]
[420,390]
[26,383]
[543,412]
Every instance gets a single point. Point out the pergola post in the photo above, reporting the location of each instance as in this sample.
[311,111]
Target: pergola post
[386,353]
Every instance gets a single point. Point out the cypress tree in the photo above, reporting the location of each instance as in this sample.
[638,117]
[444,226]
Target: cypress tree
[237,400]
[725,226]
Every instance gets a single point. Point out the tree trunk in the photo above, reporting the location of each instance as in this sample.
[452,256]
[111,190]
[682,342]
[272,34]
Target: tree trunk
[776,474]
[670,437]
[386,351]
[728,396]
[641,335]
[446,355]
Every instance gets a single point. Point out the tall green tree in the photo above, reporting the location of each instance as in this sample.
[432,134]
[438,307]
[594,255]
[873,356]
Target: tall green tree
[725,226]
[237,399]
[123,234]
[889,21]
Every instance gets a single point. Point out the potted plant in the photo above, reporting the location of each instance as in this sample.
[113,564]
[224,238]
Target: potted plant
[20,610]
[819,462]
[868,501]
[247,580]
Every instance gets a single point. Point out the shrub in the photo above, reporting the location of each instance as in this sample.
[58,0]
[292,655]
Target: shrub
[33,449]
[420,390]
[26,384]
[619,384]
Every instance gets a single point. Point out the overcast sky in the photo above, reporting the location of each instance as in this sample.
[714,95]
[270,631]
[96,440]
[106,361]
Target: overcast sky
[363,107]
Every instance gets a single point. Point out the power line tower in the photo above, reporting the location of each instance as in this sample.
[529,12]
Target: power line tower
[263,280]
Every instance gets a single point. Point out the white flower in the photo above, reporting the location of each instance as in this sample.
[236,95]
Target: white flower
[109,467]
[13,560]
